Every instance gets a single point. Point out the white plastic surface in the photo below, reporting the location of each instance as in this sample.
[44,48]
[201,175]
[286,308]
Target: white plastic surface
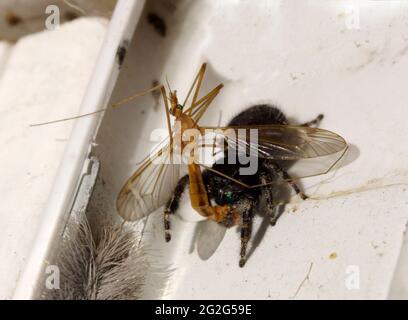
[45,76]
[98,90]
[30,15]
[347,60]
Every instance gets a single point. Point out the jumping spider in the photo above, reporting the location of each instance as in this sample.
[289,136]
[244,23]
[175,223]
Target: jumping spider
[241,199]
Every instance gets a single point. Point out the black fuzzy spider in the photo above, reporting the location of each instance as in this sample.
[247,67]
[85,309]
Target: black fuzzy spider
[243,200]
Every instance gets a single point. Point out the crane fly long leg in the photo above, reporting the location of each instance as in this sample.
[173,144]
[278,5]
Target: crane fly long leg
[204,102]
[197,80]
[291,180]
[215,91]
[224,175]
[167,110]
[235,180]
[112,106]
[200,110]
[137,95]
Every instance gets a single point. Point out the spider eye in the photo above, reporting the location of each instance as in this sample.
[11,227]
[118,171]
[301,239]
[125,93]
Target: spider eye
[179,106]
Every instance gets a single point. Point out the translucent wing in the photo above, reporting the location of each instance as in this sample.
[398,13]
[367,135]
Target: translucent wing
[149,187]
[307,151]
[282,142]
[209,238]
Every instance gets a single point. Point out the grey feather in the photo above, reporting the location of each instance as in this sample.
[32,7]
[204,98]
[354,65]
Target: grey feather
[100,264]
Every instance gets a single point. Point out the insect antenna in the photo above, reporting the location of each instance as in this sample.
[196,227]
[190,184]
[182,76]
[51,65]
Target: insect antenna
[75,7]
[112,106]
[168,84]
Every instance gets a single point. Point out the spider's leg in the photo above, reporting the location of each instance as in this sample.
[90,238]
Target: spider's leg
[246,205]
[284,175]
[314,122]
[173,204]
[266,193]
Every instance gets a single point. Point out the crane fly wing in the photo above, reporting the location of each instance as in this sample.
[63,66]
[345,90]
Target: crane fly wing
[282,142]
[162,144]
[303,151]
[210,235]
[149,187]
